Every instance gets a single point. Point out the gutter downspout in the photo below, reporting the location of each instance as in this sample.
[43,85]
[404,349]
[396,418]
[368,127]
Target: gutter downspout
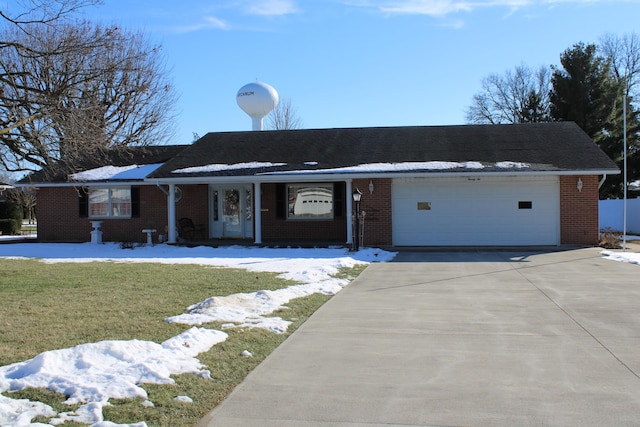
[604,178]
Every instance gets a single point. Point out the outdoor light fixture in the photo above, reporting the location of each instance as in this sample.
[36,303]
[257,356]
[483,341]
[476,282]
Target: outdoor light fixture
[579,185]
[371,187]
[357,195]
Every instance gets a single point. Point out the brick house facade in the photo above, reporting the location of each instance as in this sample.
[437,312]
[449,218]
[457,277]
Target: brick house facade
[217,179]
[578,215]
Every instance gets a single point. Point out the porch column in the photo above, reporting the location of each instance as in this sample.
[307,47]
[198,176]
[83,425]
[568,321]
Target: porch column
[257,217]
[171,206]
[349,200]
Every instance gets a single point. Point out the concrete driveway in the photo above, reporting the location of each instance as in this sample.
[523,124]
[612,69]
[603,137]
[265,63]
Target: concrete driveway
[459,339]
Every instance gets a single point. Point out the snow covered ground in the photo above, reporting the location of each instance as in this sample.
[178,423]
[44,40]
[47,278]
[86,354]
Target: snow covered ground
[93,373]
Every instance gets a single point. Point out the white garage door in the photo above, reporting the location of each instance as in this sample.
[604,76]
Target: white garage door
[484,211]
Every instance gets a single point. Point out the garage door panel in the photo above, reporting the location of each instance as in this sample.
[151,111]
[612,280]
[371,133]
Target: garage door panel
[475,212]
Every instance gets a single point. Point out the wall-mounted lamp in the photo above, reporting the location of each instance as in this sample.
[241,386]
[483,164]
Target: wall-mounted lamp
[371,187]
[357,195]
[579,185]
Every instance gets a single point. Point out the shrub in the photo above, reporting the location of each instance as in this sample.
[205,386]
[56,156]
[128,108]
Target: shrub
[10,210]
[610,239]
[10,226]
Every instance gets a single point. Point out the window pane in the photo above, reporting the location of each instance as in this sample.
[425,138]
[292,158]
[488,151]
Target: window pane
[98,202]
[310,201]
[110,202]
[525,205]
[121,202]
[248,205]
[215,205]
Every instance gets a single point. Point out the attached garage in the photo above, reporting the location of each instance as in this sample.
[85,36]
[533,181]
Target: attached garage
[476,211]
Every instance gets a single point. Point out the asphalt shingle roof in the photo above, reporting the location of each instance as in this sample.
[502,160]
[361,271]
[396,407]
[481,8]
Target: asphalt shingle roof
[557,146]
[118,157]
[543,147]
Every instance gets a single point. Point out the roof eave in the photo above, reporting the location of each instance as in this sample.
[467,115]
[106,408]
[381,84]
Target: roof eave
[113,183]
[323,176]
[309,177]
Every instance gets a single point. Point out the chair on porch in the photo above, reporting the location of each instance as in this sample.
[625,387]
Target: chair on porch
[191,231]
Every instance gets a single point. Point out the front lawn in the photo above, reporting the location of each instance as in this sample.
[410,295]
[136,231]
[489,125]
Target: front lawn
[52,306]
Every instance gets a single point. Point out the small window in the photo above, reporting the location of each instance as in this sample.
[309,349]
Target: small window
[310,201]
[525,205]
[110,203]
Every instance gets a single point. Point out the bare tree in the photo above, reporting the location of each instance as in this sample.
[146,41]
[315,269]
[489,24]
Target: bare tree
[284,116]
[623,53]
[26,199]
[24,14]
[79,89]
[518,96]
[41,11]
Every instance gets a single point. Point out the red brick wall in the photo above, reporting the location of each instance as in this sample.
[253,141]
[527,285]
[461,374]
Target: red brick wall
[377,206]
[579,210]
[59,218]
[194,204]
[276,229]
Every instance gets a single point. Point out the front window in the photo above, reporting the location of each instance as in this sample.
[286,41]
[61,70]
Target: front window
[310,201]
[110,202]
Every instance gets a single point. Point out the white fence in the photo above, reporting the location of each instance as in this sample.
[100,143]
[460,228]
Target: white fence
[610,214]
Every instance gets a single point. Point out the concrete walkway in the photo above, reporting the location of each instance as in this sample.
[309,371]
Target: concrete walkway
[459,339]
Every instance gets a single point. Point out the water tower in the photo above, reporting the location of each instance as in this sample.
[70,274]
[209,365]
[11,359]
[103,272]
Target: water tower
[257,100]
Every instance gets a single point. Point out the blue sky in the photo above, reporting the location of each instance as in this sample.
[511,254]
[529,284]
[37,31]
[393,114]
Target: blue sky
[352,63]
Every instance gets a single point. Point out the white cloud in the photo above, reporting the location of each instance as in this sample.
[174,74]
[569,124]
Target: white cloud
[207,23]
[213,22]
[426,7]
[272,7]
[446,7]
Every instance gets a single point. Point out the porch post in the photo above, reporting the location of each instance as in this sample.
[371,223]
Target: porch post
[349,201]
[257,217]
[171,206]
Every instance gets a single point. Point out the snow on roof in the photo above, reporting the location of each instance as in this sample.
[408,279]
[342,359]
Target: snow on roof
[409,167]
[369,167]
[511,165]
[104,173]
[223,167]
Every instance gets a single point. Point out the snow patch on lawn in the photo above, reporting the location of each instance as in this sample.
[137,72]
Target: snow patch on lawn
[93,373]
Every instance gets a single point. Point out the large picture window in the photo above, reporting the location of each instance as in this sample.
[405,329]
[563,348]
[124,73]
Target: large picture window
[110,203]
[310,201]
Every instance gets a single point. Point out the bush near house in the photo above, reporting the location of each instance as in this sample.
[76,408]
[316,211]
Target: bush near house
[10,217]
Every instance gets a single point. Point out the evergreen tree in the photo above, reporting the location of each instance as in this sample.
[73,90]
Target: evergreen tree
[583,91]
[611,142]
[587,92]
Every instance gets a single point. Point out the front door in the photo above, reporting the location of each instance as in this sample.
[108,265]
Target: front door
[231,211]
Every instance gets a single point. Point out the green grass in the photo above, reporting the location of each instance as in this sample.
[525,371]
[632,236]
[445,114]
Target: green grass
[45,307]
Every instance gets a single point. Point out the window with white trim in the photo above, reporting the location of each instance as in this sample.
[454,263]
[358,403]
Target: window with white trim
[110,202]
